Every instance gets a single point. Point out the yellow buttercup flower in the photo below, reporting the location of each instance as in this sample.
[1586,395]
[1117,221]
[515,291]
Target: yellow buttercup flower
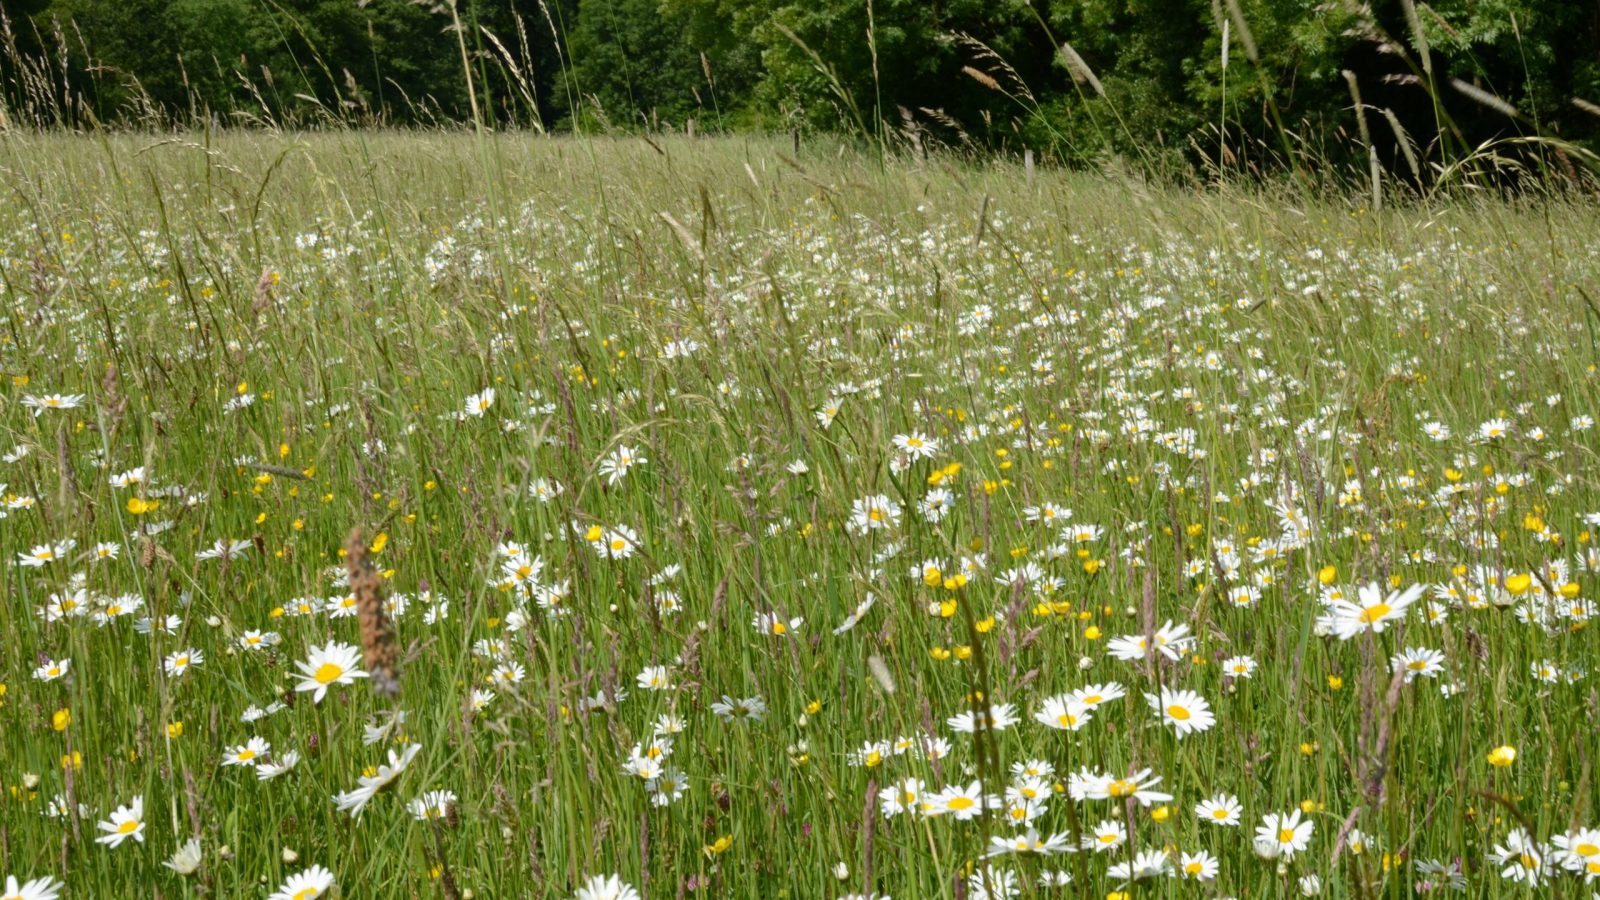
[1502,756]
[139,506]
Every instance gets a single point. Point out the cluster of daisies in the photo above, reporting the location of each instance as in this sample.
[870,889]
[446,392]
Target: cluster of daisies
[1048,583]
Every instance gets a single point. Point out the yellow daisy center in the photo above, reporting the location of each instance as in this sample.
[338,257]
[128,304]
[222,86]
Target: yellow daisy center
[328,673]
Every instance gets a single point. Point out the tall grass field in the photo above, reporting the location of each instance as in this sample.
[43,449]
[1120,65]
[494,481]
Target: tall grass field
[454,515]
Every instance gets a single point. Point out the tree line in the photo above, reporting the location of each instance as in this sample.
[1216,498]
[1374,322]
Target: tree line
[1405,84]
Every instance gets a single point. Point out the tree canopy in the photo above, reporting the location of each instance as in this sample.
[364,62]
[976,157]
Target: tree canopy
[1240,82]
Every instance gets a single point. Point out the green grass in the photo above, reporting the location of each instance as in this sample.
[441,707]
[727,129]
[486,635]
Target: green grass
[1054,338]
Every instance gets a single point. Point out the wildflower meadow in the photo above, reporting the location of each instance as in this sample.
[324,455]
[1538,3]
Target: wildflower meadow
[470,515]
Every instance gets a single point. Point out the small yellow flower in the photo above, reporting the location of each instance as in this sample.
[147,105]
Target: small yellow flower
[1092,633]
[1518,585]
[139,506]
[61,719]
[1335,682]
[175,730]
[1502,756]
[720,845]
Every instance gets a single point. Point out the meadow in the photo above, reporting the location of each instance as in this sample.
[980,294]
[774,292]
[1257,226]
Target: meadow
[441,515]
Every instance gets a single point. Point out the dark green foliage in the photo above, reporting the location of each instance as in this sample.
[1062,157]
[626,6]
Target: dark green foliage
[987,74]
